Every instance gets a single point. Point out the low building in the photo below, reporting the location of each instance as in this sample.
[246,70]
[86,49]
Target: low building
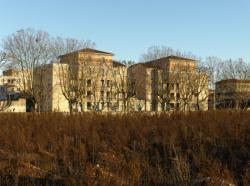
[11,99]
[13,105]
[233,93]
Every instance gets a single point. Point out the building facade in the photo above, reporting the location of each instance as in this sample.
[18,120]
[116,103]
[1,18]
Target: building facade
[233,93]
[90,80]
[11,86]
[85,80]
[170,83]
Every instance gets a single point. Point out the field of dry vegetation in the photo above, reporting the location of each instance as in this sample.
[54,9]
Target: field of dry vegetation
[206,148]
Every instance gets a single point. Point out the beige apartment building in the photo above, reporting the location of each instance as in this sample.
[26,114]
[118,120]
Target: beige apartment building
[10,81]
[90,80]
[233,93]
[169,83]
[11,99]
[84,80]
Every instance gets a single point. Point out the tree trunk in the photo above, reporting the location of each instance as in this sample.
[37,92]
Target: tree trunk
[70,107]
[197,103]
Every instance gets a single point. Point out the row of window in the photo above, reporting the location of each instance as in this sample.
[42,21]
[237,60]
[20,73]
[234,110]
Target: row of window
[108,83]
[172,95]
[11,80]
[108,95]
[172,86]
[3,89]
[103,105]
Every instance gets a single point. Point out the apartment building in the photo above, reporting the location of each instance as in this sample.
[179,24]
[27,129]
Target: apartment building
[10,83]
[233,93]
[11,99]
[169,83]
[90,80]
[84,80]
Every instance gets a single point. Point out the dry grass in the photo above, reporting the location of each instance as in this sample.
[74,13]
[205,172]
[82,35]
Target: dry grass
[211,148]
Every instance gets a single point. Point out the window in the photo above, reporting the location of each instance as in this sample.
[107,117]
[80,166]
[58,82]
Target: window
[108,95]
[167,86]
[102,94]
[89,82]
[177,106]
[177,86]
[172,95]
[171,105]
[102,83]
[108,104]
[88,94]
[178,95]
[89,105]
[172,86]
[109,82]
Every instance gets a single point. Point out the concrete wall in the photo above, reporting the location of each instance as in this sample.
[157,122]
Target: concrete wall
[15,105]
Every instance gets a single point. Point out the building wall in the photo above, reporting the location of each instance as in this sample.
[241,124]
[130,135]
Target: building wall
[233,93]
[18,105]
[165,77]
[52,98]
[104,83]
[59,102]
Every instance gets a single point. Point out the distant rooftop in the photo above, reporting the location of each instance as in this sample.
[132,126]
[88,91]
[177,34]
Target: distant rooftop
[234,81]
[88,50]
[180,58]
[151,64]
[117,64]
[171,57]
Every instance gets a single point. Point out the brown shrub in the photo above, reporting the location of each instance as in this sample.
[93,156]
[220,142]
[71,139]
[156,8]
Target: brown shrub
[211,148]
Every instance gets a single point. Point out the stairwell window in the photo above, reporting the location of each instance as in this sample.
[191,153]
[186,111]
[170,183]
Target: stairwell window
[109,83]
[102,83]
[89,83]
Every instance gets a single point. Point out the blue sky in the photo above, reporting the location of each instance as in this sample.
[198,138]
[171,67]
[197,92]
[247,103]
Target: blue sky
[128,27]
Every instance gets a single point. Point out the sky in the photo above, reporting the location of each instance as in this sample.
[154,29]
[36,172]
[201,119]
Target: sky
[128,27]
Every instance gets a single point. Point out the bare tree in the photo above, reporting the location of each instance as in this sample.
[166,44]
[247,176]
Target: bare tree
[5,103]
[163,88]
[235,69]
[101,83]
[2,57]
[60,46]
[123,85]
[213,66]
[73,82]
[219,69]
[185,81]
[74,75]
[200,86]
[25,50]
[156,52]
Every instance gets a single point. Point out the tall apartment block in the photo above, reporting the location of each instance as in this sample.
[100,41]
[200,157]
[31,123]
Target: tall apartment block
[165,83]
[102,82]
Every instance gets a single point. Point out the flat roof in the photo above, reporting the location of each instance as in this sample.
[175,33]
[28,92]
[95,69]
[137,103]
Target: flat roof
[233,81]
